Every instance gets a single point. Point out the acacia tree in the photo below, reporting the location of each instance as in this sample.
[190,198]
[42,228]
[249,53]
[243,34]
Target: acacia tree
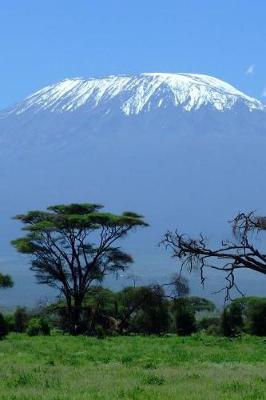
[230,256]
[73,246]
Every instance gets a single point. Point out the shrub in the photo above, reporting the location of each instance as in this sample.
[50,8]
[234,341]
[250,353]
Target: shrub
[149,310]
[207,322]
[257,319]
[38,326]
[3,327]
[6,281]
[232,320]
[153,380]
[213,330]
[185,320]
[9,318]
[21,319]
[253,314]
[100,332]
[99,309]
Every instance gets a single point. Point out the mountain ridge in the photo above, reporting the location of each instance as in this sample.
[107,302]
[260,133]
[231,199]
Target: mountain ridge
[134,94]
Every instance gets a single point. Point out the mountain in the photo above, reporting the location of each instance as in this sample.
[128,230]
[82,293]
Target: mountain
[136,94]
[74,108]
[186,150]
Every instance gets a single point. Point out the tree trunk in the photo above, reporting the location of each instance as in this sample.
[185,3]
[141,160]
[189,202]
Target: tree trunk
[73,314]
[76,327]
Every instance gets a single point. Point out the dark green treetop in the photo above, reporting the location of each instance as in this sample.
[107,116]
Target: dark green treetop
[5,281]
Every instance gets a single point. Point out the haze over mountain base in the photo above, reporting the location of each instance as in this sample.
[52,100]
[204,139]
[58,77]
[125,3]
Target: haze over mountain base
[187,169]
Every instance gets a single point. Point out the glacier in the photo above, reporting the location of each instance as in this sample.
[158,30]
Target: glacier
[137,93]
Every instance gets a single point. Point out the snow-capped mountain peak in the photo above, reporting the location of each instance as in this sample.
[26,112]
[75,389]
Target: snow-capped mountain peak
[137,93]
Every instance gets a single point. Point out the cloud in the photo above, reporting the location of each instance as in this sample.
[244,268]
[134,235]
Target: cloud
[264,92]
[250,70]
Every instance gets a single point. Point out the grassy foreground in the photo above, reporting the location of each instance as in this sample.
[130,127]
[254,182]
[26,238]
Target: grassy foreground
[195,368]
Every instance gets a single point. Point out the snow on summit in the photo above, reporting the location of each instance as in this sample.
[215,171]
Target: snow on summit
[137,93]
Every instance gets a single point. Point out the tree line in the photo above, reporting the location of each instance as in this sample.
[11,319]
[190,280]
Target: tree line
[142,310]
[73,247]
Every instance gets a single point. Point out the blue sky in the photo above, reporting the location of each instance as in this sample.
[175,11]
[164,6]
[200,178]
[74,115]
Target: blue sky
[47,40]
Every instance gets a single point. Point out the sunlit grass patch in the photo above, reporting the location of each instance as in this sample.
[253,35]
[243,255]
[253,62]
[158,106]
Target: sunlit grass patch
[133,368]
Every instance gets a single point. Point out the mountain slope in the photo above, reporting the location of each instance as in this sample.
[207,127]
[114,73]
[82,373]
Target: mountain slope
[135,94]
[185,150]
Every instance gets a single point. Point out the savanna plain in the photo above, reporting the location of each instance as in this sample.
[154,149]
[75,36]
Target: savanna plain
[62,367]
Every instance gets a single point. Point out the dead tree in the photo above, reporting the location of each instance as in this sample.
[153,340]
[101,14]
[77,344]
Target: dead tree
[230,256]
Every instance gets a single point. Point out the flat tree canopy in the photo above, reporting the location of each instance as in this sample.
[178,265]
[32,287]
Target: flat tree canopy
[73,246]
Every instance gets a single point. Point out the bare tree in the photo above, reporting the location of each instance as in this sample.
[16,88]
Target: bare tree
[229,257]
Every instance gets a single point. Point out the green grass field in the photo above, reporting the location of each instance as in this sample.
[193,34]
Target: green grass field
[194,368]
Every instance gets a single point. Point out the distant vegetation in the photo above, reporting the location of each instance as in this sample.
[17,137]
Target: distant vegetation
[73,247]
[5,281]
[142,310]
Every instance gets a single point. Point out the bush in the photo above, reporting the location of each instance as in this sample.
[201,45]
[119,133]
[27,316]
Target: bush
[257,320]
[6,281]
[253,315]
[213,330]
[207,322]
[150,310]
[21,319]
[100,332]
[9,318]
[38,326]
[3,327]
[185,320]
[232,320]
[98,309]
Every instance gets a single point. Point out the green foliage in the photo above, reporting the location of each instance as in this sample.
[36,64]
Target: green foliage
[246,314]
[5,281]
[9,318]
[214,329]
[76,216]
[200,304]
[100,332]
[226,328]
[144,310]
[184,315]
[100,311]
[139,310]
[232,320]
[21,319]
[153,379]
[73,246]
[207,323]
[38,326]
[257,319]
[101,298]
[3,327]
